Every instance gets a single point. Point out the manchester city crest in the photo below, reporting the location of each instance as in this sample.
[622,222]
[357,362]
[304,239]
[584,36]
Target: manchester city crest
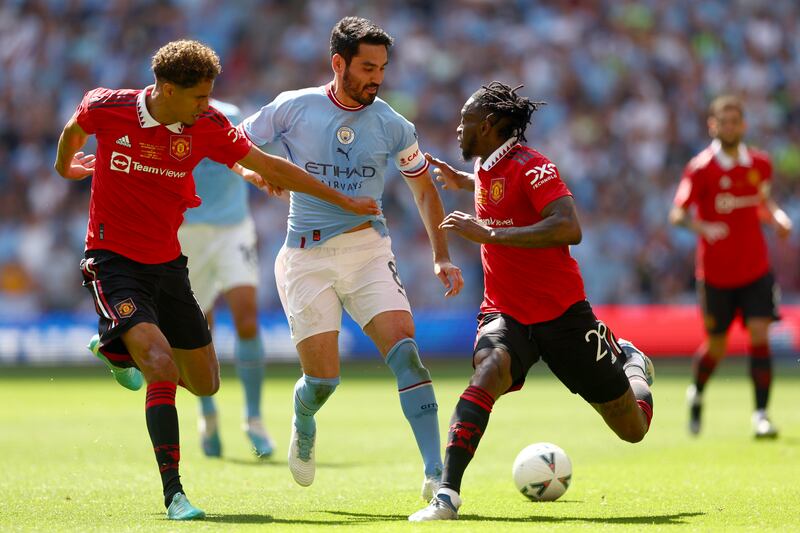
[345,134]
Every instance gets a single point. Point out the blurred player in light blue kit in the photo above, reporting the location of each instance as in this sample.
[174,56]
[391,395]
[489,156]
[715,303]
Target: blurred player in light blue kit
[219,239]
[347,137]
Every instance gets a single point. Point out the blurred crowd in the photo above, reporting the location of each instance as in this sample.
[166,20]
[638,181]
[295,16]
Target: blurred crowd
[627,85]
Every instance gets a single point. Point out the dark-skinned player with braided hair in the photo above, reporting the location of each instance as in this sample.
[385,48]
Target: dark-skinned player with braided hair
[534,304]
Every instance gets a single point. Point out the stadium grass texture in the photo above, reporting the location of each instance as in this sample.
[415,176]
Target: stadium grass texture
[75,456]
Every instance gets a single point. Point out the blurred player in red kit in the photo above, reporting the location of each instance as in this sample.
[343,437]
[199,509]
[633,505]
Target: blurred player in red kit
[728,187]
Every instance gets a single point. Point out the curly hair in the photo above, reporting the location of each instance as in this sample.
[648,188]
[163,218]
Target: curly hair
[186,63]
[513,111]
[349,32]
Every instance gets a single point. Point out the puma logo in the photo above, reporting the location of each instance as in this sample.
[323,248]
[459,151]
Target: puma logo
[346,154]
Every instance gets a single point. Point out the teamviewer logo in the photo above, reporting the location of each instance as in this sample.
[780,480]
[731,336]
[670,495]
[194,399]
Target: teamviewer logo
[120,162]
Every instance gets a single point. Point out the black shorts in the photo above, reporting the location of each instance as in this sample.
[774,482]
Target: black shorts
[758,299]
[126,293]
[579,349]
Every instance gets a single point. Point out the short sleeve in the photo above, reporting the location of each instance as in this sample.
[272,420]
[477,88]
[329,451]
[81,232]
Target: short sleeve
[228,144]
[542,183]
[408,157]
[687,188]
[268,123]
[85,115]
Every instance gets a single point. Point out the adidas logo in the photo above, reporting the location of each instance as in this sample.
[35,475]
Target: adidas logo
[124,141]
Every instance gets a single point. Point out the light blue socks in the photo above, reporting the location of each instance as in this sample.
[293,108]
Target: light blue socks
[249,354]
[310,394]
[418,401]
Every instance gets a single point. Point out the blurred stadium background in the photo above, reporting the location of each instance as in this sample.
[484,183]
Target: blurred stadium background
[627,85]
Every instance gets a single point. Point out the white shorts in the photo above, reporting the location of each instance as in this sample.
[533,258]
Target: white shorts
[356,271]
[220,258]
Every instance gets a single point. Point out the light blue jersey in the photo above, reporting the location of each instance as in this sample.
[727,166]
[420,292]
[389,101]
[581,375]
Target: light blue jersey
[347,148]
[224,193]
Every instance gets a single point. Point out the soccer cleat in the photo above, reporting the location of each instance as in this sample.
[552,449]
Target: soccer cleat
[430,486]
[209,435]
[695,401]
[763,426]
[635,357]
[301,456]
[181,509]
[442,507]
[262,444]
[130,378]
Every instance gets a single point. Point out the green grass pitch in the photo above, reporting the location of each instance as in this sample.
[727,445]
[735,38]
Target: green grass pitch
[75,456]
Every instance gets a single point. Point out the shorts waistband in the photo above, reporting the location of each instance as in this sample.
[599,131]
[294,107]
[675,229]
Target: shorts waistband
[354,239]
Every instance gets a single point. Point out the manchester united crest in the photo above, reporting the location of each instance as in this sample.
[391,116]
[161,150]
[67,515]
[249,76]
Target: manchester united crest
[497,189]
[754,177]
[180,146]
[125,308]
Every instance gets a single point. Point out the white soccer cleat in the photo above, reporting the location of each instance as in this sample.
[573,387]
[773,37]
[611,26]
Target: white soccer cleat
[301,456]
[430,486]
[635,357]
[443,506]
[763,426]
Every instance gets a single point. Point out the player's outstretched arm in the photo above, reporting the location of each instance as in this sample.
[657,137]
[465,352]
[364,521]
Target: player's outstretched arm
[431,211]
[286,175]
[450,178]
[70,162]
[559,227]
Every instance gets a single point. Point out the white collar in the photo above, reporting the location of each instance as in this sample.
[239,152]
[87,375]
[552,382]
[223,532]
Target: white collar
[146,120]
[498,154]
[727,162]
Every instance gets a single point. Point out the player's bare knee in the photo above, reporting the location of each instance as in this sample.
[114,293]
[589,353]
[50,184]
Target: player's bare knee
[159,366]
[208,388]
[490,372]
[247,327]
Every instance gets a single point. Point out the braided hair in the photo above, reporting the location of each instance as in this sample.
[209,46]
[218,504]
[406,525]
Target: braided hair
[514,111]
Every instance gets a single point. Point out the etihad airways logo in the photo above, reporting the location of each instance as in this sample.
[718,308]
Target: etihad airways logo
[328,170]
[124,163]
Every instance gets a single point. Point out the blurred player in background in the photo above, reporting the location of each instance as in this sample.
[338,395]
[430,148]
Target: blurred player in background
[148,142]
[728,185]
[534,304]
[219,239]
[346,136]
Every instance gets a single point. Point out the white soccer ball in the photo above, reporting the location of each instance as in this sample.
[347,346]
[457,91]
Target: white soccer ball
[542,472]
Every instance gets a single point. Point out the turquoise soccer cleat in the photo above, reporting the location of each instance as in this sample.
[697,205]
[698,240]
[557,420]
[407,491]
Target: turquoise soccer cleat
[263,447]
[211,444]
[130,378]
[181,509]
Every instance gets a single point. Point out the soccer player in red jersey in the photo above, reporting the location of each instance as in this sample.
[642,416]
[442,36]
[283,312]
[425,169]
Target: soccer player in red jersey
[534,306]
[148,142]
[728,187]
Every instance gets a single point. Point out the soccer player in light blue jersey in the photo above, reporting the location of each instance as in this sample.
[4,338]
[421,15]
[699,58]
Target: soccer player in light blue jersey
[219,239]
[347,137]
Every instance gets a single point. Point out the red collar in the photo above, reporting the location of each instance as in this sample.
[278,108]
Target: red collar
[337,102]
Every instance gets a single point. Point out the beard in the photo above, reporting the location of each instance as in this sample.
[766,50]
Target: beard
[352,89]
[467,151]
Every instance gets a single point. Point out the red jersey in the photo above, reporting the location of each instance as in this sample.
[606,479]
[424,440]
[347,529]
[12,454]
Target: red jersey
[531,284]
[726,190]
[142,180]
